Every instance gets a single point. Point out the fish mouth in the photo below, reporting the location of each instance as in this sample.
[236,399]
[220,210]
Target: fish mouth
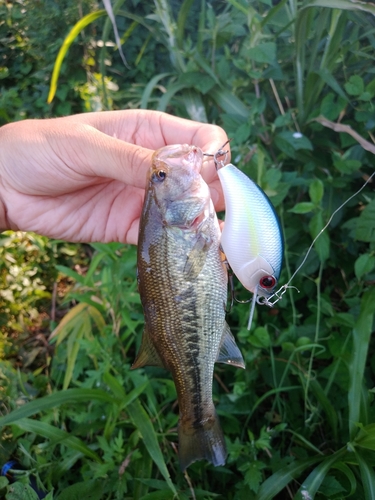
[180,155]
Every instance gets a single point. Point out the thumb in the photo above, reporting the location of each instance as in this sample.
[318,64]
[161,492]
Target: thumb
[93,153]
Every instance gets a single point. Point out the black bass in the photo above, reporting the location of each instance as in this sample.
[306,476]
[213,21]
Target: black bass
[182,281]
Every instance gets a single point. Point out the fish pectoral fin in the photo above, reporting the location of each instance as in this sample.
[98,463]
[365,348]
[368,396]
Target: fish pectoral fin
[229,353]
[197,257]
[147,355]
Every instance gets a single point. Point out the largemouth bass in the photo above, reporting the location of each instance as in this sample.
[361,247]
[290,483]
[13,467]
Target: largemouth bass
[182,281]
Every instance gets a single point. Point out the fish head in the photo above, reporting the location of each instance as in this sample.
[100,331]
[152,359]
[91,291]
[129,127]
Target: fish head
[176,184]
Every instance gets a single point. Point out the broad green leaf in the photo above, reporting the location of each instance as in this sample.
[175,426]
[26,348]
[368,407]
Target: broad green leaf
[322,243]
[253,476]
[72,35]
[57,435]
[316,191]
[91,489]
[296,140]
[21,491]
[355,85]
[364,264]
[70,396]
[144,425]
[347,166]
[260,337]
[304,207]
[366,437]
[3,482]
[365,227]
[263,53]
[277,482]
[361,338]
[159,495]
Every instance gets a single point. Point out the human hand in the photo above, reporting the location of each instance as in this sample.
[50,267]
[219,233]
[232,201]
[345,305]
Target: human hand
[82,177]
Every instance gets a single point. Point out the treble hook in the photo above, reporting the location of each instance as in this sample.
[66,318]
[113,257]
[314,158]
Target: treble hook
[220,152]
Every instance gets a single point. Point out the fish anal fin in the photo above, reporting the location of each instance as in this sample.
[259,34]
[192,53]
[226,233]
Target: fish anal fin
[229,352]
[147,354]
[205,442]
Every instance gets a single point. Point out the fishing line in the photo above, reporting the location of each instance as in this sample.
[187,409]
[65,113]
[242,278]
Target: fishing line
[282,290]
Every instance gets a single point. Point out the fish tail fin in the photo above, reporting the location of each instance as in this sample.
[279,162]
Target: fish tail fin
[201,443]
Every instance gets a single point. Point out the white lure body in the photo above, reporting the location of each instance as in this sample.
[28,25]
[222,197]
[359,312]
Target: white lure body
[251,239]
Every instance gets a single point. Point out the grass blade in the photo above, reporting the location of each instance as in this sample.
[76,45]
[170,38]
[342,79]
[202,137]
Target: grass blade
[70,396]
[343,4]
[57,435]
[229,103]
[282,477]
[327,406]
[311,485]
[74,32]
[367,476]
[194,106]
[150,87]
[172,90]
[361,338]
[143,423]
[181,21]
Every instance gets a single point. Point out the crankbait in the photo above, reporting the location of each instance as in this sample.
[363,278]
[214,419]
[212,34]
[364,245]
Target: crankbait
[251,218]
[251,239]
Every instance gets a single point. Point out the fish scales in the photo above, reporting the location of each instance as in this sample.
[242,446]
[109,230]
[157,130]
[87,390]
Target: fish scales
[183,286]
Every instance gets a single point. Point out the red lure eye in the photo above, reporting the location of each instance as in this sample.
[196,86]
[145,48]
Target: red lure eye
[267,282]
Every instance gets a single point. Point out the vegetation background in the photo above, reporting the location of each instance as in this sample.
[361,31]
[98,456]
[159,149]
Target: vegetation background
[300,420]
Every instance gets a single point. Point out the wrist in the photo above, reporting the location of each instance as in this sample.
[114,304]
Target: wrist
[4,226]
[4,223]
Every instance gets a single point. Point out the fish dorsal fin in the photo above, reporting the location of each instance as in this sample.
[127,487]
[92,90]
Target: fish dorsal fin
[147,355]
[229,352]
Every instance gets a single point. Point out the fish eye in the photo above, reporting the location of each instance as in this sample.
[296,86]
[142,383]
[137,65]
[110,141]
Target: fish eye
[267,282]
[159,176]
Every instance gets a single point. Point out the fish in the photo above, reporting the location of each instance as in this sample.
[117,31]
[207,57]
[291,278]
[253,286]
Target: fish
[182,281]
[252,238]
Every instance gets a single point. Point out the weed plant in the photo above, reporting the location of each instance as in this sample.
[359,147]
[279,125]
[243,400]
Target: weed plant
[300,420]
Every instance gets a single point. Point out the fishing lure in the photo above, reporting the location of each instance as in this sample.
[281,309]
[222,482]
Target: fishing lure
[252,238]
[251,217]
